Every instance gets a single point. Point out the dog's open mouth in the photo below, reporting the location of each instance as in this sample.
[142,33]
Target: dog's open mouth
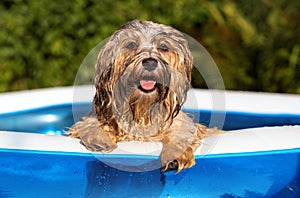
[147,85]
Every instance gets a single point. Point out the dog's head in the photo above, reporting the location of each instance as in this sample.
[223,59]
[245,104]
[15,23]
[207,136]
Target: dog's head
[143,74]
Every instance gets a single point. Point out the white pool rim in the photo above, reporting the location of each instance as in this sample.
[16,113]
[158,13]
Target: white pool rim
[240,141]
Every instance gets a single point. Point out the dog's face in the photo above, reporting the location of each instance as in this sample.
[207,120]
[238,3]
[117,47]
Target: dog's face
[142,77]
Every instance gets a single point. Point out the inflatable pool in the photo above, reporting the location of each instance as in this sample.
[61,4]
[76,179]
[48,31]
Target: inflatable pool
[258,157]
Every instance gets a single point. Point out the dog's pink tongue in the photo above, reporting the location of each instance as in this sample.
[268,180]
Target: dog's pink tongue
[147,84]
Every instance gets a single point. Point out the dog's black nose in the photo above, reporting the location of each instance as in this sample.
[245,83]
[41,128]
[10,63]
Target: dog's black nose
[150,64]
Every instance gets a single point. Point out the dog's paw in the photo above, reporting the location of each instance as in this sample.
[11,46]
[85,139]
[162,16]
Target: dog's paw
[174,161]
[92,136]
[97,141]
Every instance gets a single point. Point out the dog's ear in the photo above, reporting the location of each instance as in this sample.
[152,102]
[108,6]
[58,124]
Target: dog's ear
[104,61]
[181,78]
[102,97]
[103,81]
[187,56]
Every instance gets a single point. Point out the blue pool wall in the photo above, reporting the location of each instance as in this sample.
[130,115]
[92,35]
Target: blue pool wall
[53,174]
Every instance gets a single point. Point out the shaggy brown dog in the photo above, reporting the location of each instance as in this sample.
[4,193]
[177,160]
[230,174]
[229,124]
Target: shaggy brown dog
[142,77]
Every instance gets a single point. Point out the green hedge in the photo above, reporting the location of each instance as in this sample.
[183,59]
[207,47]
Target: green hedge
[256,44]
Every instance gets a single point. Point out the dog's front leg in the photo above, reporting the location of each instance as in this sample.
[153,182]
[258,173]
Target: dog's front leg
[175,156]
[181,141]
[91,134]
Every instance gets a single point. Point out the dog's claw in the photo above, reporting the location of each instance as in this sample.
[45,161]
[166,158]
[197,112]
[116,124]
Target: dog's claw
[171,166]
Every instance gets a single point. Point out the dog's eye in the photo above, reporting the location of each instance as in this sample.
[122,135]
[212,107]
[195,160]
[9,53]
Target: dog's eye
[131,46]
[163,47]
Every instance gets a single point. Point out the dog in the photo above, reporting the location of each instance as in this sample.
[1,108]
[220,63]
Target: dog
[143,73]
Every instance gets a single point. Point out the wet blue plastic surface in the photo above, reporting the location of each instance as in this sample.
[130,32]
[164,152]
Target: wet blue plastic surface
[49,174]
[46,174]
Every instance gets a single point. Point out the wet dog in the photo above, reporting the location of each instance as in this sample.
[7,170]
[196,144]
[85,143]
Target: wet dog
[143,73]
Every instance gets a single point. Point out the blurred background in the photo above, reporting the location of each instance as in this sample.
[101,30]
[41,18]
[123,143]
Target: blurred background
[255,44]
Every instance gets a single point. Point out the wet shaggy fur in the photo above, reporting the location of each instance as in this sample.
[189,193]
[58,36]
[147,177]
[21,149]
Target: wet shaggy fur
[142,76]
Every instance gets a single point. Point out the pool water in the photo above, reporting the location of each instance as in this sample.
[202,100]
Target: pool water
[30,173]
[54,119]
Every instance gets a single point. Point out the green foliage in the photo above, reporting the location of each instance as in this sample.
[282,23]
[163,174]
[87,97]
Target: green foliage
[255,44]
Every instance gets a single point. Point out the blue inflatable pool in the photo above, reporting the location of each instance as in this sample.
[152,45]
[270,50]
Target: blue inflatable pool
[258,157]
